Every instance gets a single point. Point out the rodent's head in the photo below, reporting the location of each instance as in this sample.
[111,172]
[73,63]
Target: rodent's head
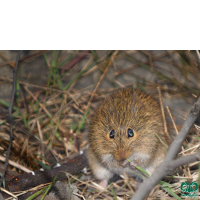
[125,124]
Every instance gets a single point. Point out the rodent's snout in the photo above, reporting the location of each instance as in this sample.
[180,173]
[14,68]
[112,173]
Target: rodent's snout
[121,155]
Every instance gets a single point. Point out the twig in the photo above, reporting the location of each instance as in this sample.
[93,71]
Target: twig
[177,143]
[75,60]
[182,148]
[174,148]
[163,114]
[10,115]
[9,193]
[172,120]
[35,98]
[104,73]
[20,193]
[42,141]
[35,86]
[14,164]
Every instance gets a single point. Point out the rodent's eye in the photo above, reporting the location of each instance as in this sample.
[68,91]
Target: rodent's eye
[130,133]
[112,134]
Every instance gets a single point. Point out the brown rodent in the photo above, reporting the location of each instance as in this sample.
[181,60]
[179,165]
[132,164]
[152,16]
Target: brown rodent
[127,125]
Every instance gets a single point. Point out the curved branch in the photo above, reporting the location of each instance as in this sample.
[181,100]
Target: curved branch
[10,115]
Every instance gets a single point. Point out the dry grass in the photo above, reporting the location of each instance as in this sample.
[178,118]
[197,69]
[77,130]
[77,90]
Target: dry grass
[51,122]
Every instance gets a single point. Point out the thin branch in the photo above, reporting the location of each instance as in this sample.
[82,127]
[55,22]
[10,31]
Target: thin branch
[163,115]
[177,143]
[75,60]
[10,115]
[14,164]
[165,168]
[184,160]
[104,73]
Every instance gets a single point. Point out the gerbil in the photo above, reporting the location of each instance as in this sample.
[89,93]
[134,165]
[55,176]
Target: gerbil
[127,125]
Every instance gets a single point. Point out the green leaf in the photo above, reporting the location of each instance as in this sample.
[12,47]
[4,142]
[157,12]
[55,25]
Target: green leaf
[6,104]
[73,126]
[43,165]
[2,122]
[139,168]
[197,137]
[45,57]
[53,63]
[161,141]
[68,59]
[142,170]
[172,193]
[33,196]
[49,187]
[84,118]
[164,184]
[113,193]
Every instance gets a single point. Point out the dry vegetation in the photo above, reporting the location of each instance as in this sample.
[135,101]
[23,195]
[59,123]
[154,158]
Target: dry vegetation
[51,119]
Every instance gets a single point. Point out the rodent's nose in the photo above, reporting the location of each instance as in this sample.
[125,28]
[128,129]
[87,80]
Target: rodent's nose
[121,155]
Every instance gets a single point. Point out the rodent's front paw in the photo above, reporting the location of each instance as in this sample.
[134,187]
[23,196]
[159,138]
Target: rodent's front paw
[124,163]
[132,165]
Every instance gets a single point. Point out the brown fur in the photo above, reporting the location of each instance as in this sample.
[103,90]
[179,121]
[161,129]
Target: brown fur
[126,109]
